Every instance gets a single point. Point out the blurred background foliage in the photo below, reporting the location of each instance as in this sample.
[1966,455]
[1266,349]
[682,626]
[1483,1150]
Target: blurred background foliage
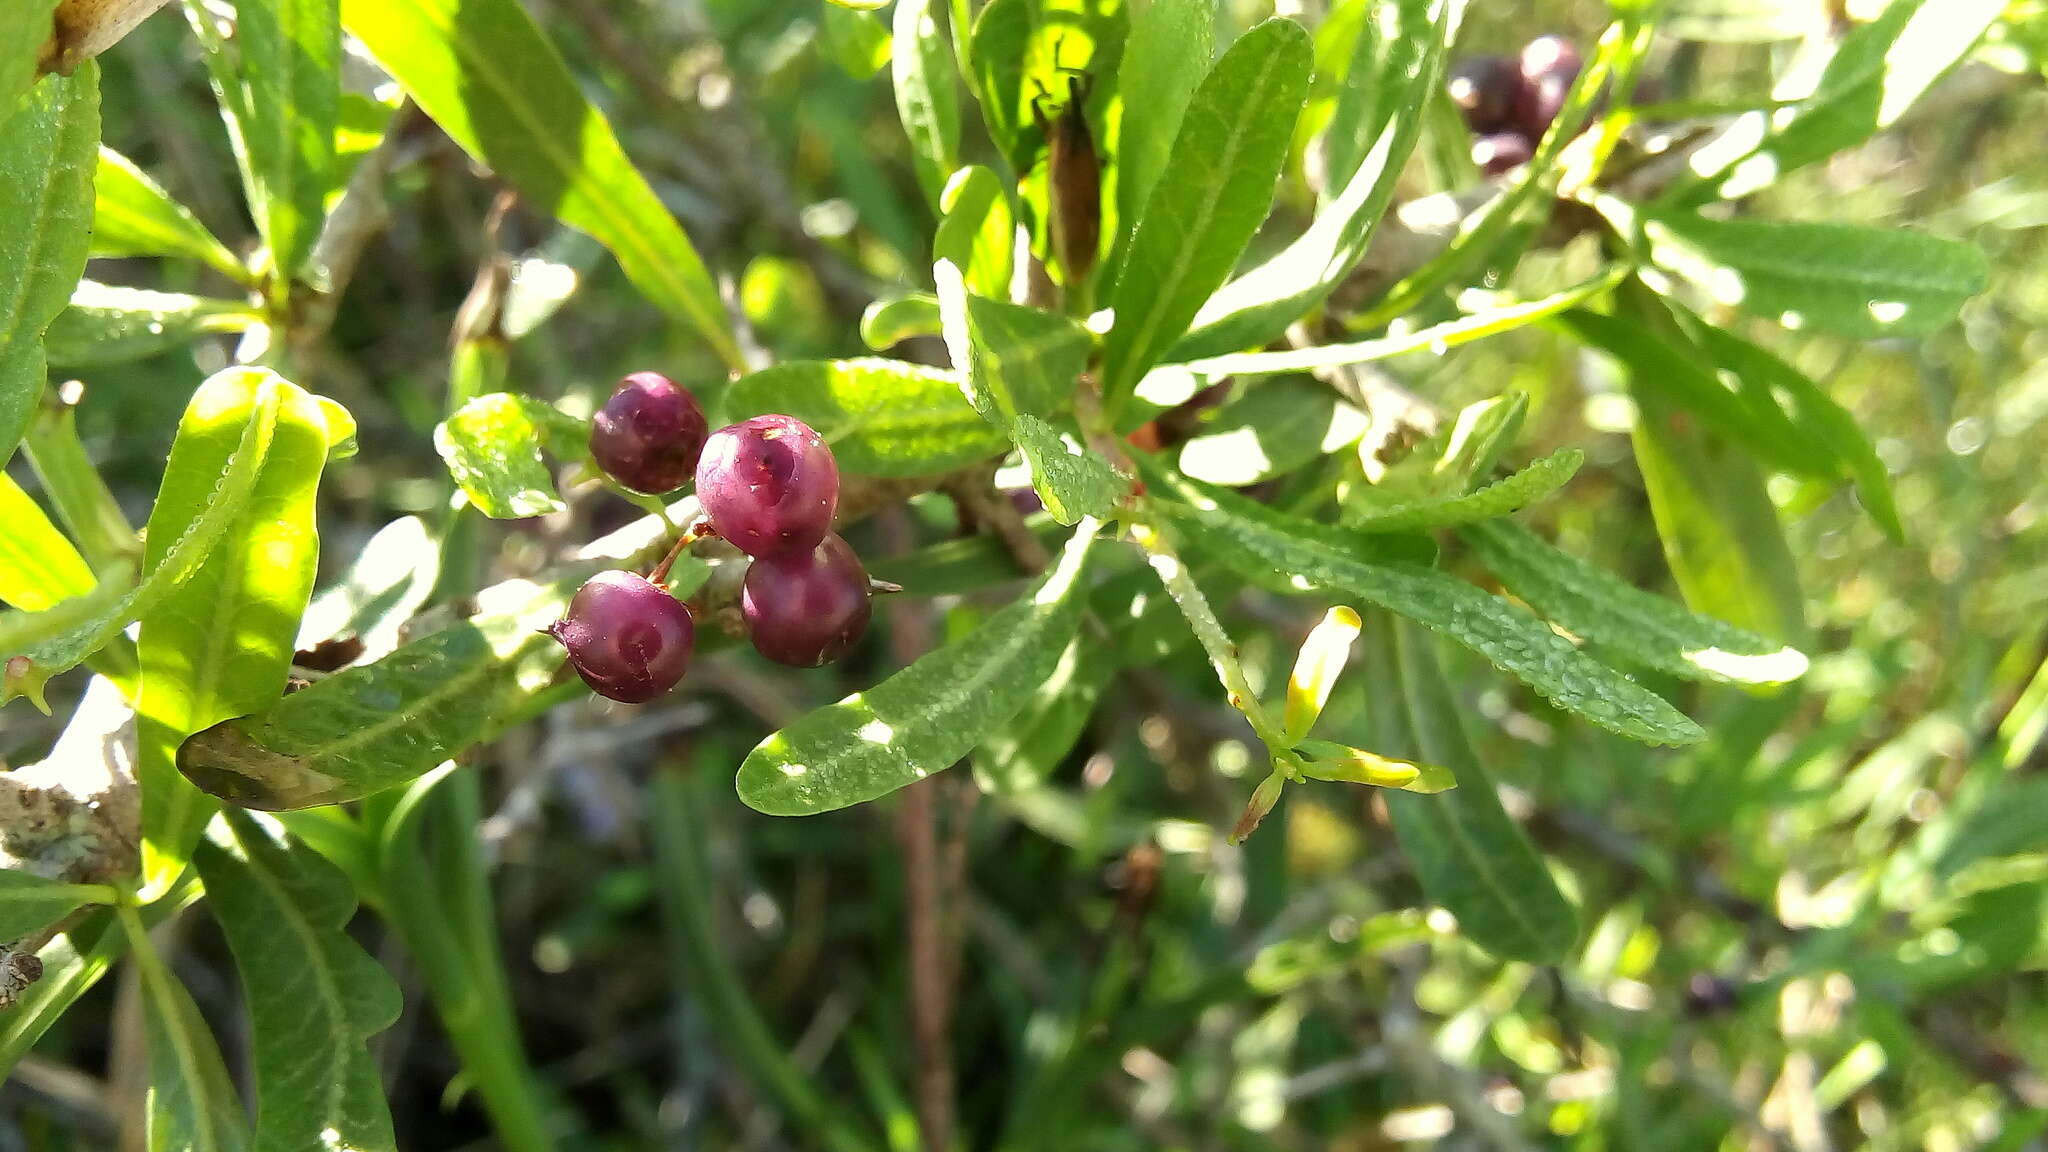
[1820,929]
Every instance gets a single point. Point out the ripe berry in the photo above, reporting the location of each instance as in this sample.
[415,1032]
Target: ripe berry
[1501,152]
[808,609]
[1486,90]
[649,434]
[628,638]
[1550,66]
[769,485]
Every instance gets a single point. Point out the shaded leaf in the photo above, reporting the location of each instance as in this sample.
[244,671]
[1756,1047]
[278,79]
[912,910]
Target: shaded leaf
[29,903]
[1235,133]
[47,149]
[492,447]
[192,1104]
[490,79]
[72,482]
[1596,606]
[926,717]
[314,996]
[1509,494]
[1272,429]
[106,325]
[1470,857]
[882,417]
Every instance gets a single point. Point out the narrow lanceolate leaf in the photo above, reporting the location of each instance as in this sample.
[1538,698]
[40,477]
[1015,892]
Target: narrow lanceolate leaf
[977,232]
[1864,282]
[927,96]
[106,325]
[490,79]
[926,717]
[220,643]
[492,448]
[285,68]
[223,488]
[1022,364]
[1596,607]
[30,903]
[24,29]
[1818,417]
[882,417]
[192,1105]
[46,164]
[1469,855]
[38,566]
[132,216]
[888,322]
[1266,545]
[1171,45]
[1231,144]
[1510,494]
[73,484]
[1869,81]
[1316,668]
[369,727]
[315,997]
[1271,430]
[1398,69]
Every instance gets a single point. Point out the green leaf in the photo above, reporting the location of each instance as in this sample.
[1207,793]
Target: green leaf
[1469,855]
[223,490]
[1021,362]
[29,903]
[490,79]
[1841,278]
[1742,21]
[1017,755]
[1824,424]
[107,325]
[1370,137]
[1271,430]
[192,1104]
[1263,544]
[24,29]
[882,417]
[1599,608]
[1720,532]
[1875,74]
[314,996]
[1022,49]
[1510,494]
[927,97]
[132,216]
[1171,45]
[978,232]
[374,725]
[889,322]
[858,38]
[280,89]
[1232,141]
[46,168]
[926,717]
[73,484]
[220,643]
[492,447]
[38,566]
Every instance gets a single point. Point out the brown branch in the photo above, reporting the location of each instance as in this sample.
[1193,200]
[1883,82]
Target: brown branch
[992,512]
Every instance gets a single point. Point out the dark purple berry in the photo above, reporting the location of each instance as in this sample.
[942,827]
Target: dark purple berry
[1550,66]
[649,434]
[628,638]
[808,609]
[769,485]
[1501,152]
[1486,90]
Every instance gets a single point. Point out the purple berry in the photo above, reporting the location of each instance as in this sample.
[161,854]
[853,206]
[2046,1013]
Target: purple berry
[1501,152]
[649,434]
[628,638]
[1550,66]
[1486,90]
[769,485]
[808,609]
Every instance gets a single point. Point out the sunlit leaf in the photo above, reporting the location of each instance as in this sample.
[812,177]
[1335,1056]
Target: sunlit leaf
[882,417]
[492,447]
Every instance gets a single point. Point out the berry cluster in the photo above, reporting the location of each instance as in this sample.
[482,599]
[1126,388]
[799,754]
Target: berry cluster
[1508,103]
[768,485]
